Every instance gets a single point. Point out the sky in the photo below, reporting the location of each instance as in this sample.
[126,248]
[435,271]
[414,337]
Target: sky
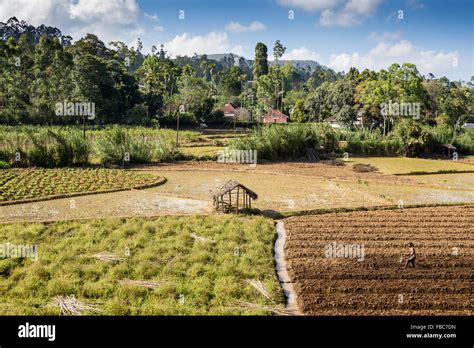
[436,35]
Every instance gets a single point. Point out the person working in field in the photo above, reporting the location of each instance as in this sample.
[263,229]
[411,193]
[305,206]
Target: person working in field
[411,256]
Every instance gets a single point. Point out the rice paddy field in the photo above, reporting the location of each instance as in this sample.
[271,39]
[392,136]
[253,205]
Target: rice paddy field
[404,165]
[24,184]
[159,266]
[145,240]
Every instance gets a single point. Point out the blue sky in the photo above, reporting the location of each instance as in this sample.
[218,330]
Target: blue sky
[436,35]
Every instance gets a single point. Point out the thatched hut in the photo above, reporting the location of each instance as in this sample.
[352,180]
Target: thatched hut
[448,149]
[233,196]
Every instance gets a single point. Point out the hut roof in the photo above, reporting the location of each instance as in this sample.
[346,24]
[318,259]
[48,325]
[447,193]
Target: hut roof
[232,184]
[449,146]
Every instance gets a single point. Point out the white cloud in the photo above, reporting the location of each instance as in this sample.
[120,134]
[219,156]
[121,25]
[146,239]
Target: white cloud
[362,7]
[403,51]
[310,5]
[331,18]
[336,12]
[352,13]
[110,20]
[240,51]
[185,44]
[152,17]
[36,12]
[415,5]
[236,27]
[301,53]
[159,28]
[386,36]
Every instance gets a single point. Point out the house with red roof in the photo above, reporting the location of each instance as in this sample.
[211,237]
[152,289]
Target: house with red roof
[229,110]
[275,116]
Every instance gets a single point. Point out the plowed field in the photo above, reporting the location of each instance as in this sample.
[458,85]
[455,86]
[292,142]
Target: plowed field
[372,282]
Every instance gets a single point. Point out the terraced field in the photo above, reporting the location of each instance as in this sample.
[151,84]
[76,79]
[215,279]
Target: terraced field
[28,184]
[372,281]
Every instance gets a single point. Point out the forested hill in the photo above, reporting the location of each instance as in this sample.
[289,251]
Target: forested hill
[15,28]
[309,65]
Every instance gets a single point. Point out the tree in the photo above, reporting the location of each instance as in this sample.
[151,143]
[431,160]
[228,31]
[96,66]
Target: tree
[260,64]
[265,93]
[341,100]
[52,79]
[231,82]
[195,95]
[90,44]
[414,138]
[456,105]
[298,113]
[15,80]
[278,50]
[318,103]
[153,86]
[95,84]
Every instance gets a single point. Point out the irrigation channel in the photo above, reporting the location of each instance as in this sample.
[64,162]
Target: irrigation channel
[283,277]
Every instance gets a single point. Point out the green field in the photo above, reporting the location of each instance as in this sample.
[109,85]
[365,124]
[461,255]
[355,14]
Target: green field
[199,266]
[405,165]
[18,184]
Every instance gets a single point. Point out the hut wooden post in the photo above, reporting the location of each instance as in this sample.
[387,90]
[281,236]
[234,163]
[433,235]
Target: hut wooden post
[237,204]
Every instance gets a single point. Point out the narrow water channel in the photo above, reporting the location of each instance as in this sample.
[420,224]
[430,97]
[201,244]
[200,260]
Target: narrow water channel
[282,273]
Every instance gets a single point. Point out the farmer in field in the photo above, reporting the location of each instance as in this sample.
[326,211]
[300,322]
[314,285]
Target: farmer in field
[411,256]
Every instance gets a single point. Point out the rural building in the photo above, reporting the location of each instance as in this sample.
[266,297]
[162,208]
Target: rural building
[334,123]
[448,149]
[233,196]
[229,110]
[275,116]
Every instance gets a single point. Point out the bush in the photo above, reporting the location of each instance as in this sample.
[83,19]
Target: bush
[279,141]
[113,144]
[4,165]
[465,142]
[414,138]
[45,147]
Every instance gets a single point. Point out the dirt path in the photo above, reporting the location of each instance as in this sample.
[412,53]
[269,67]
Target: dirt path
[149,202]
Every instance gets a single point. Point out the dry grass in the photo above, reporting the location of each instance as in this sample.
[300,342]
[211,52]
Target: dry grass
[69,305]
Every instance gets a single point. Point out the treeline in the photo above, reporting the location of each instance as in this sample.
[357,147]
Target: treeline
[129,87]
[39,69]
[125,86]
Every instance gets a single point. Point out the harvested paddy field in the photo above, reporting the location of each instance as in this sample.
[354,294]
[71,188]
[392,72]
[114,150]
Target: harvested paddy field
[370,280]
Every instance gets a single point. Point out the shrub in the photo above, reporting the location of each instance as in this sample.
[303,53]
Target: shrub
[415,139]
[112,145]
[279,141]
